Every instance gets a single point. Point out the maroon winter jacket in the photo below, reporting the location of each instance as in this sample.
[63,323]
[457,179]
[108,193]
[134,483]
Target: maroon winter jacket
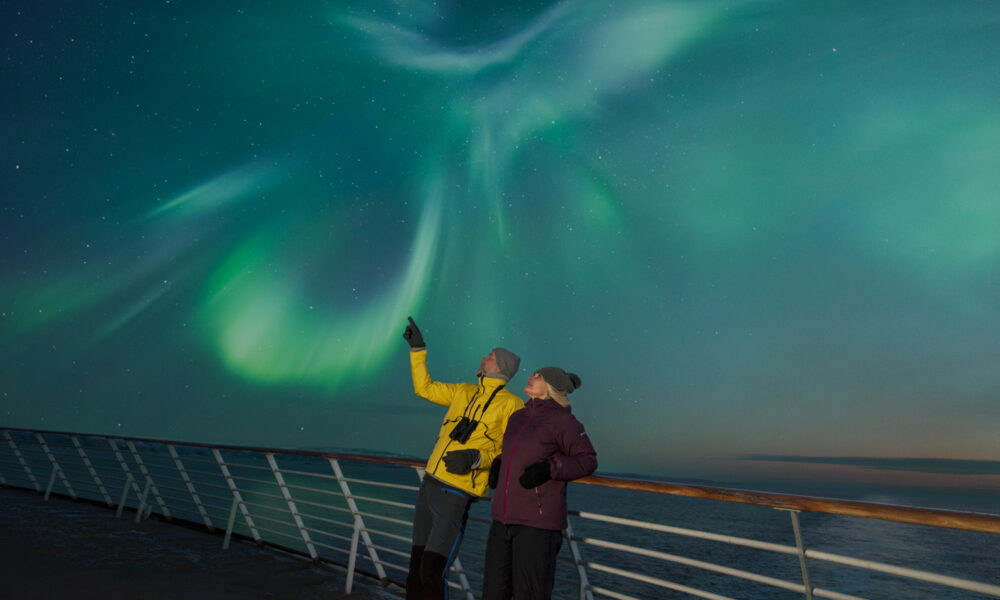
[542,430]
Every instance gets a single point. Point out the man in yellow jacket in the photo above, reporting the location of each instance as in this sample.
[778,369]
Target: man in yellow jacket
[457,472]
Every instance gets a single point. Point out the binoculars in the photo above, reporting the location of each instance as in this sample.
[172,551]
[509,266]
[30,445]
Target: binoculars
[463,429]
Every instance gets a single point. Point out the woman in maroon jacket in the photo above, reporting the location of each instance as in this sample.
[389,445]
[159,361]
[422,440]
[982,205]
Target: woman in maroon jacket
[544,446]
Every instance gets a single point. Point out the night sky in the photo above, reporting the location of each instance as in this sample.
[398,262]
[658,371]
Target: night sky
[765,234]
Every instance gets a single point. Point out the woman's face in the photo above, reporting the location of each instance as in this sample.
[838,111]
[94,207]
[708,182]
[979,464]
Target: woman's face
[536,388]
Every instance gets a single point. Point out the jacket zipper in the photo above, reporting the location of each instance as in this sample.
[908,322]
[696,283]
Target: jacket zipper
[472,402]
[506,485]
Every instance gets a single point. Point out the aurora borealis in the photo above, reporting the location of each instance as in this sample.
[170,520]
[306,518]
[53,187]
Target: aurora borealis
[753,228]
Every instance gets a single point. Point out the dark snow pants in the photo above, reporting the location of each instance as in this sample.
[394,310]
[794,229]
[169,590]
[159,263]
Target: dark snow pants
[520,562]
[438,526]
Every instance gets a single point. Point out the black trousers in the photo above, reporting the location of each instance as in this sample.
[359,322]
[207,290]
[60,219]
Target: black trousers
[520,562]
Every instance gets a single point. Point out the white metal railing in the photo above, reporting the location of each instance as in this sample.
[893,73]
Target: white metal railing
[356,511]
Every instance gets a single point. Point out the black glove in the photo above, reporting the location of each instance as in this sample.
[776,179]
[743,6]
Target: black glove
[536,474]
[412,335]
[494,472]
[460,462]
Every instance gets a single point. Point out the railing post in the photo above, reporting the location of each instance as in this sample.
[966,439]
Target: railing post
[52,480]
[56,469]
[237,500]
[802,551]
[359,528]
[20,459]
[574,550]
[292,509]
[230,523]
[352,558]
[462,579]
[149,481]
[190,487]
[91,470]
[143,507]
[129,478]
[121,504]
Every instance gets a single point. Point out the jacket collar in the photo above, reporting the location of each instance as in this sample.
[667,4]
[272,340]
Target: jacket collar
[547,404]
[490,381]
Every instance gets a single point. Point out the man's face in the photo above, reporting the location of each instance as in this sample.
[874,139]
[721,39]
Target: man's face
[488,364]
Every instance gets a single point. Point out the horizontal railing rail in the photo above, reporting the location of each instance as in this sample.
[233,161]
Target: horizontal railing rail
[355,510]
[903,514]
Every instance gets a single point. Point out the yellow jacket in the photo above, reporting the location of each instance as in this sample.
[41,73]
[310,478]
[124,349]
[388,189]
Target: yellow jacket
[465,399]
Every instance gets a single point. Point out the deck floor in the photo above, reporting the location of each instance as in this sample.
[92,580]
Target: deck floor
[62,548]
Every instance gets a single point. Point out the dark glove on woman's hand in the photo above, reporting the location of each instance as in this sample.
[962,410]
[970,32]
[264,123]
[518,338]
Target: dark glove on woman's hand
[412,335]
[495,472]
[460,462]
[536,474]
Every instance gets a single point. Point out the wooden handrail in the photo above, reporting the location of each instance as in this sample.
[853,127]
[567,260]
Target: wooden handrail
[968,521]
[952,519]
[389,460]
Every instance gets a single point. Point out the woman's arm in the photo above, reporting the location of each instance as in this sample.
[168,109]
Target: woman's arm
[576,457]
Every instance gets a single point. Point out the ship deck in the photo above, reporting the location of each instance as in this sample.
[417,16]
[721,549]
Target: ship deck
[75,549]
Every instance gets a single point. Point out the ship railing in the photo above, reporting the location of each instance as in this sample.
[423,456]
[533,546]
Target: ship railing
[355,511]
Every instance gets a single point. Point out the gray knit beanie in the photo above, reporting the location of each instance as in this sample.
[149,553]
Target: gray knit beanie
[507,362]
[560,380]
